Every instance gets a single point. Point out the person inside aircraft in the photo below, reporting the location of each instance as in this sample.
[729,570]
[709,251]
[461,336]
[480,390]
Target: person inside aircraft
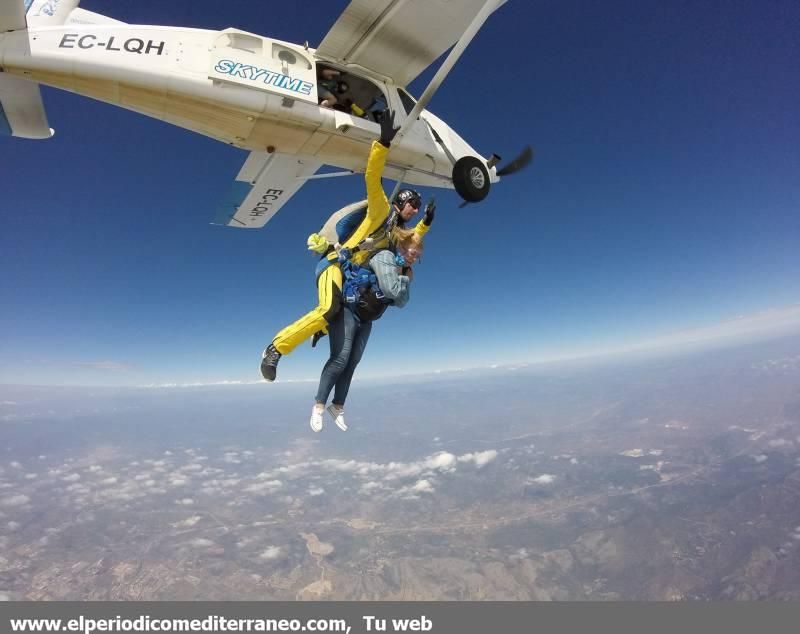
[384,280]
[330,87]
[372,226]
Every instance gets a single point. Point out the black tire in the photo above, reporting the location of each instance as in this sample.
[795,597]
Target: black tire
[471,179]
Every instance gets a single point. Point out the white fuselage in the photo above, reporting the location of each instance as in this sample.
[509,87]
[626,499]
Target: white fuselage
[245,90]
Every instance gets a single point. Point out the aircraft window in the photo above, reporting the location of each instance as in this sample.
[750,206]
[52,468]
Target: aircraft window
[245,42]
[408,100]
[344,91]
[288,57]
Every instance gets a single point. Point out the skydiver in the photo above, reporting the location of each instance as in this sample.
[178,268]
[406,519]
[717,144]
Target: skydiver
[375,224]
[350,329]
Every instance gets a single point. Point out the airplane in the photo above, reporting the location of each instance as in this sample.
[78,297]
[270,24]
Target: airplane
[261,94]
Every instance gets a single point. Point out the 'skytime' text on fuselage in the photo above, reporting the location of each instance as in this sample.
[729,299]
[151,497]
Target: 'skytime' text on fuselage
[269,77]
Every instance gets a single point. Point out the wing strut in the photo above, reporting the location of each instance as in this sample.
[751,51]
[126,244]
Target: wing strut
[488,7]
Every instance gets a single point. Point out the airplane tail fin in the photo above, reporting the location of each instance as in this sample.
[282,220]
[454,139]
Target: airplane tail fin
[48,12]
[13,14]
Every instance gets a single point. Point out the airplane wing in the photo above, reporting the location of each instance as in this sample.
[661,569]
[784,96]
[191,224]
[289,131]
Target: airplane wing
[264,184]
[398,39]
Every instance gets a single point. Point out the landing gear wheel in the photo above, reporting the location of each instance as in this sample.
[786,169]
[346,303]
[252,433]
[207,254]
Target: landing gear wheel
[471,179]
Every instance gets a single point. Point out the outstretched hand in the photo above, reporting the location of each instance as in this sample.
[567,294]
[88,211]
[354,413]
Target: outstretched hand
[388,131]
[430,212]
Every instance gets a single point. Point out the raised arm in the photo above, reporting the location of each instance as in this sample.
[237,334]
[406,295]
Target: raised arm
[424,225]
[377,203]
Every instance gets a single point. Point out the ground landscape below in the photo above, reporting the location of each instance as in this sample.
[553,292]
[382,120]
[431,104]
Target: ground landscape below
[666,479]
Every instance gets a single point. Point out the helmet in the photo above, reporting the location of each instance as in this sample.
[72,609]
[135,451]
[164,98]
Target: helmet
[408,196]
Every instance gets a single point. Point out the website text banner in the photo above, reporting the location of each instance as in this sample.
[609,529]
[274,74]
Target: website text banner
[395,617]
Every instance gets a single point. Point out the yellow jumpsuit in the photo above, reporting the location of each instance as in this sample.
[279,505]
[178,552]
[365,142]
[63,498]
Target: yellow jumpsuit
[329,283]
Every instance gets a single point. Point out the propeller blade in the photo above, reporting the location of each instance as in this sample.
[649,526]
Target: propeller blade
[525,157]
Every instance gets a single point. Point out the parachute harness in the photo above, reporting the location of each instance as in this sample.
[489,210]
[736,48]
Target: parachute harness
[361,292]
[361,282]
[358,278]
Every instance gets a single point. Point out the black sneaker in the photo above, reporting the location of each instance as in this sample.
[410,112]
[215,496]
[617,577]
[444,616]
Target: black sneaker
[269,363]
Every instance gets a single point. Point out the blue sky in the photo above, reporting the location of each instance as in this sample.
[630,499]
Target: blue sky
[664,197]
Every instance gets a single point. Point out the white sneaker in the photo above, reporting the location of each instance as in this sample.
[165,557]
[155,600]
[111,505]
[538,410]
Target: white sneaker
[337,414]
[316,418]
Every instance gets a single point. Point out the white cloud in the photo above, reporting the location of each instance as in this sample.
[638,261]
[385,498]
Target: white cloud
[439,463]
[412,492]
[73,477]
[262,488]
[545,478]
[272,552]
[442,461]
[105,366]
[201,543]
[480,458]
[185,502]
[232,457]
[15,500]
[422,486]
[315,491]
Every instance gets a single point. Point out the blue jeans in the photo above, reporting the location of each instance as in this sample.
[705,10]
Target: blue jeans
[348,339]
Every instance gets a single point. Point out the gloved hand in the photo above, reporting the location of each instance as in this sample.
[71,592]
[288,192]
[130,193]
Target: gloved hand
[388,131]
[430,212]
[317,243]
